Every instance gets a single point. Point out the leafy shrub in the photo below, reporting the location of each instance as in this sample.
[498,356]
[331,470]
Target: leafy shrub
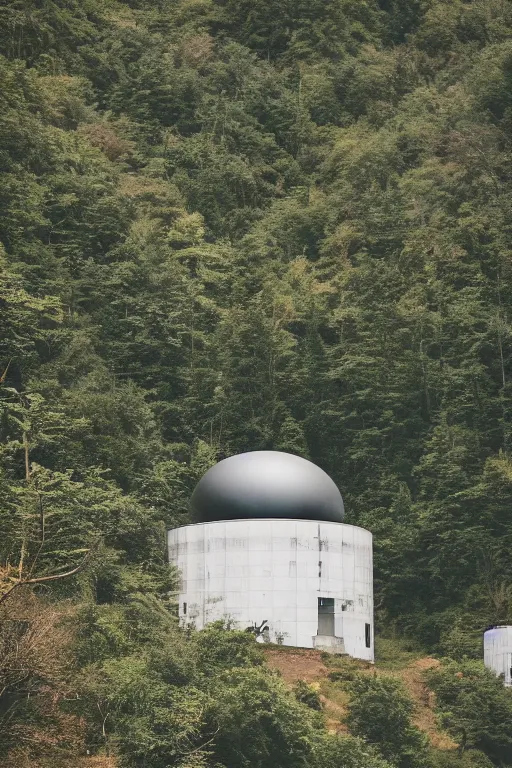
[308,695]
[381,711]
[475,707]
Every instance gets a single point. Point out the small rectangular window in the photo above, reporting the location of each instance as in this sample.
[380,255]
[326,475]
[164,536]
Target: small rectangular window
[367,635]
[184,609]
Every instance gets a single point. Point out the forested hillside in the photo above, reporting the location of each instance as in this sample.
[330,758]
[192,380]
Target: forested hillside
[226,226]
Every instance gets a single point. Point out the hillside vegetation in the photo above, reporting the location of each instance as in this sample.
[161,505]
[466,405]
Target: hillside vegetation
[227,226]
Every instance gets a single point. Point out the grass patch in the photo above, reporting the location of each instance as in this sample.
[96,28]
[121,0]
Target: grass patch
[395,653]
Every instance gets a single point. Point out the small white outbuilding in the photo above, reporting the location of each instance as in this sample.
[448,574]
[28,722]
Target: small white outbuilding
[498,651]
[270,553]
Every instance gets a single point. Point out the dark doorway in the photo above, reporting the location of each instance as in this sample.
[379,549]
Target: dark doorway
[326,616]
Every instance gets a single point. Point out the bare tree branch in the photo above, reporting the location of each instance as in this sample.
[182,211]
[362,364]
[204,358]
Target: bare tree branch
[44,579]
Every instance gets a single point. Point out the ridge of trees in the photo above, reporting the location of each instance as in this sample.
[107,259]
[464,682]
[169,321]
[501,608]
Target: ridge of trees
[229,226]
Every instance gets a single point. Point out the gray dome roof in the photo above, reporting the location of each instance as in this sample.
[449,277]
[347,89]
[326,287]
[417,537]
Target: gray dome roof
[266,484]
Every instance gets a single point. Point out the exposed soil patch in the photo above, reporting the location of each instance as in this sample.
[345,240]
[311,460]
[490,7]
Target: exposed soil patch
[335,714]
[425,717]
[303,664]
[297,665]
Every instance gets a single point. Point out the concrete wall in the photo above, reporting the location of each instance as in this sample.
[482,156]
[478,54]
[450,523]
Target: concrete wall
[275,570]
[498,652]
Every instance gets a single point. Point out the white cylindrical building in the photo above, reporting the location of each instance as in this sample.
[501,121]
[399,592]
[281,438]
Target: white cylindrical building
[270,554]
[498,652]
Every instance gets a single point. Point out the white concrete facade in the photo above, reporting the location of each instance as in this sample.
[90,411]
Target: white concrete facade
[280,572]
[498,652]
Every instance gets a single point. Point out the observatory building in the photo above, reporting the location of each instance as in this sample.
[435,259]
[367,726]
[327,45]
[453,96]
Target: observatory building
[498,652]
[268,551]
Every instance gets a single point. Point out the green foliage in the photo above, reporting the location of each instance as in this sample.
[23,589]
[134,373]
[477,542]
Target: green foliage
[258,723]
[46,31]
[475,707]
[468,759]
[169,694]
[381,711]
[347,751]
[298,29]
[229,226]
[395,653]
[308,695]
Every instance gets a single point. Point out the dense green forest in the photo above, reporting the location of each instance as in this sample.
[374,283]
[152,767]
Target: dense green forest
[227,226]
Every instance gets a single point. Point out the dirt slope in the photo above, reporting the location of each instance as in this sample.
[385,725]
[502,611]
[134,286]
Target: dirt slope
[301,664]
